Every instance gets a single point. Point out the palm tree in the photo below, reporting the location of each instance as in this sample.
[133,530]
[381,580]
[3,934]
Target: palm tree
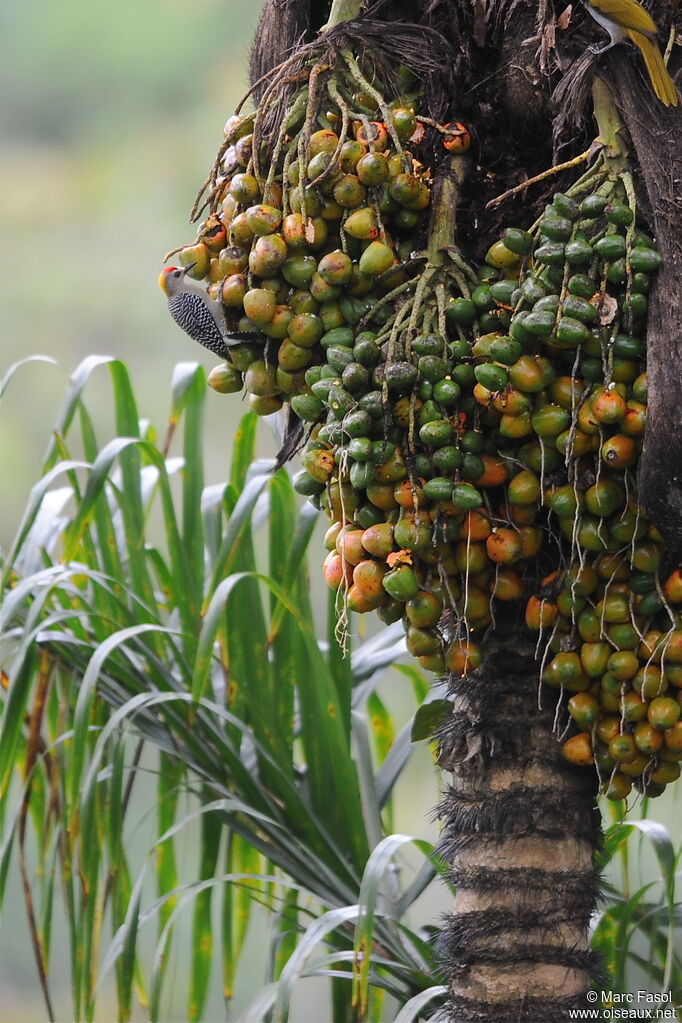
[124,640]
[520,825]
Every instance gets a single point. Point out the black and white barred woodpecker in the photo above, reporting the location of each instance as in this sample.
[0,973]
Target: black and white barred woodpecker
[203,319]
[199,315]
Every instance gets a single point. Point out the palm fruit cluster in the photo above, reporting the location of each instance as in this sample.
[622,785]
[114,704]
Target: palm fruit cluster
[456,448]
[311,242]
[614,627]
[465,427]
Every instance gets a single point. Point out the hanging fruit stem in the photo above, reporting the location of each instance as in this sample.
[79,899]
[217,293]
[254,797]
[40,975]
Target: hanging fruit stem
[446,191]
[610,127]
[342,10]
[576,161]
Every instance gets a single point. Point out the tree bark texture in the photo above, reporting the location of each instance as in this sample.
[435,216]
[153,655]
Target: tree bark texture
[519,830]
[656,136]
[655,140]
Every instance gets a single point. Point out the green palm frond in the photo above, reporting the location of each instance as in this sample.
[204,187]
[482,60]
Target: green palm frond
[140,615]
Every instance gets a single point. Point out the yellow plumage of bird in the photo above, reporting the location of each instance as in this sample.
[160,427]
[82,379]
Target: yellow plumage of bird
[627,20]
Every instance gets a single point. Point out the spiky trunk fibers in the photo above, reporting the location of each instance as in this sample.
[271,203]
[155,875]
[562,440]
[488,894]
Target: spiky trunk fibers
[520,829]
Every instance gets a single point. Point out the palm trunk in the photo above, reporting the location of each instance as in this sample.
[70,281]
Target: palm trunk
[520,830]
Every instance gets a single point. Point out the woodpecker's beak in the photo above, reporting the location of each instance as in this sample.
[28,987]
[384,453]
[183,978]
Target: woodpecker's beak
[190,266]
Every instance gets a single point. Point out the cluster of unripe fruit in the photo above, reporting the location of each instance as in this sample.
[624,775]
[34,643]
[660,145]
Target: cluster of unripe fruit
[464,427]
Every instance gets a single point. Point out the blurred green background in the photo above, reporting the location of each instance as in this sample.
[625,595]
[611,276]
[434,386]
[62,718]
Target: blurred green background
[111,116]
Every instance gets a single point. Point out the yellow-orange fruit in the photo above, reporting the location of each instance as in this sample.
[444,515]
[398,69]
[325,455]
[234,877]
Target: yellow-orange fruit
[335,571]
[503,546]
[540,613]
[506,585]
[578,750]
[367,576]
[349,546]
[474,526]
[463,656]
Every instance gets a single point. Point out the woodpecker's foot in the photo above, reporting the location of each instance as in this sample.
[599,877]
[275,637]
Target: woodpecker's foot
[594,49]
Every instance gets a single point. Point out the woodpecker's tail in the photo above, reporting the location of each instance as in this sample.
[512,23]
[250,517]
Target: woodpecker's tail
[293,438]
[664,87]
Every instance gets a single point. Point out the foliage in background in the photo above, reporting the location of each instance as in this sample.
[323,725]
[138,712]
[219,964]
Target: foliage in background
[141,615]
[112,97]
[136,608]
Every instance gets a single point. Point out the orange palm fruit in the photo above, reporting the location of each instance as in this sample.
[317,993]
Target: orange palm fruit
[578,750]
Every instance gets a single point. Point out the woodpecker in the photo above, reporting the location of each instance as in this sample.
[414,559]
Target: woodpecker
[627,20]
[203,318]
[199,315]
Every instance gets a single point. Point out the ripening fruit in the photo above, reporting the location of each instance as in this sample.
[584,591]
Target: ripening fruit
[531,540]
[378,539]
[665,773]
[424,609]
[673,647]
[565,671]
[462,657]
[358,602]
[622,748]
[673,738]
[578,750]
[649,682]
[259,305]
[663,712]
[584,709]
[595,657]
[433,662]
[507,585]
[349,546]
[619,451]
[632,706]
[524,488]
[376,259]
[367,577]
[267,255]
[244,188]
[672,587]
[495,472]
[372,169]
[401,583]
[503,546]
[608,406]
[540,613]
[470,557]
[225,379]
[335,268]
[263,219]
[623,664]
[323,141]
[617,787]
[636,768]
[474,526]
[336,571]
[362,224]
[651,648]
[261,380]
[421,642]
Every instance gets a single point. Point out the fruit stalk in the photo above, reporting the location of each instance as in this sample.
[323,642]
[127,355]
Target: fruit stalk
[445,196]
[342,10]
